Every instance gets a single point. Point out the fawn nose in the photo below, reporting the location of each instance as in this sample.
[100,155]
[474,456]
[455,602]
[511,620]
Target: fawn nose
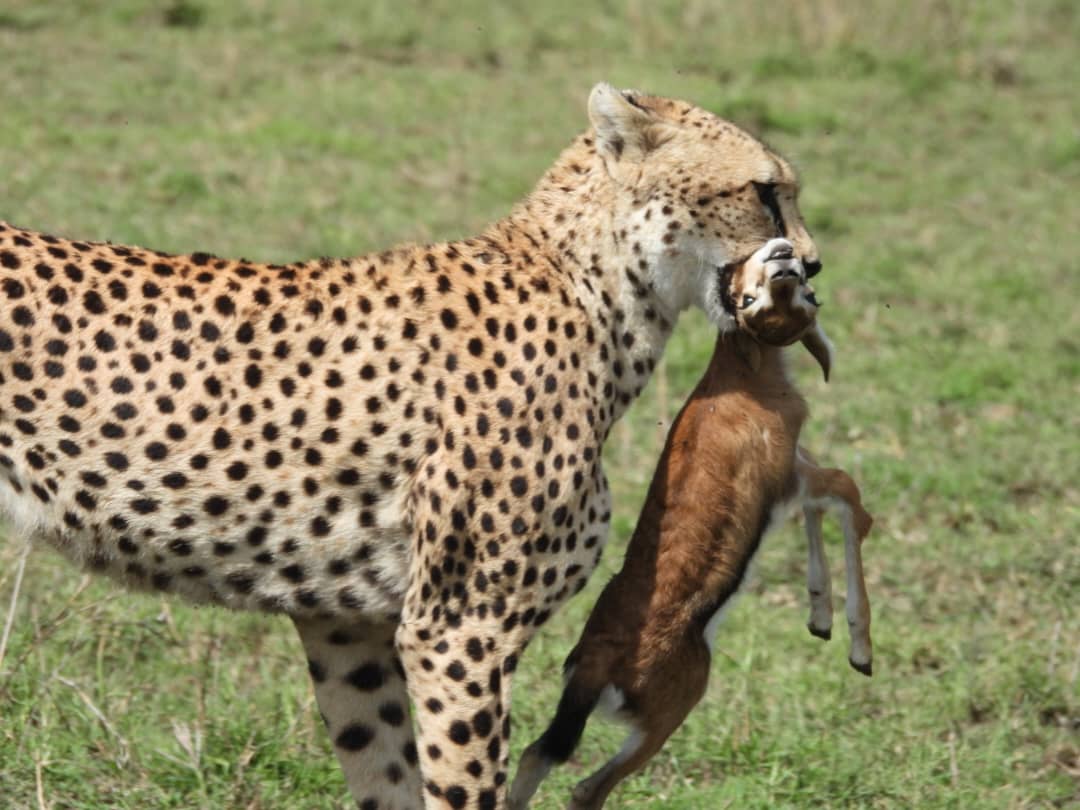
[786,279]
[812,266]
[784,271]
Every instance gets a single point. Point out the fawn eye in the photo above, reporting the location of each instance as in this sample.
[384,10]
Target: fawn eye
[812,299]
[747,300]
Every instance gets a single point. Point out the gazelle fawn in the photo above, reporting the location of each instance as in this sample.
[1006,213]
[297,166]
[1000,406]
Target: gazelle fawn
[730,470]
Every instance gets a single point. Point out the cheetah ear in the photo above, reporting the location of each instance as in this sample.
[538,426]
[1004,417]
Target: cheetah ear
[625,128]
[820,347]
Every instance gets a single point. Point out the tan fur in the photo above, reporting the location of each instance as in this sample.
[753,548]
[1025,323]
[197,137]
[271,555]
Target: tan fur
[402,445]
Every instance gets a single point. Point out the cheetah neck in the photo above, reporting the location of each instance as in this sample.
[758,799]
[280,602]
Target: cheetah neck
[572,220]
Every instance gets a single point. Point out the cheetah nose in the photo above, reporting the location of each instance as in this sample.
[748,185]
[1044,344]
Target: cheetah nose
[784,250]
[813,267]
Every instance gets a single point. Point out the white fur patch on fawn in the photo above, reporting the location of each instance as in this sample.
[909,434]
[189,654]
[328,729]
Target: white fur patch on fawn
[611,701]
[611,698]
[713,625]
[630,746]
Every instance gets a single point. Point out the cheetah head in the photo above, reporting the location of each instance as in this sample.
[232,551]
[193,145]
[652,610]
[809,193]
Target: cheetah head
[695,194]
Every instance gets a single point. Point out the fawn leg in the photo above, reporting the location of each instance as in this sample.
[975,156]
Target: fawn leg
[638,748]
[660,711]
[557,742]
[858,604]
[818,582]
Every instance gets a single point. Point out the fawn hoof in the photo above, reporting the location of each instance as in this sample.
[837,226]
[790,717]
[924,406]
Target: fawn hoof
[580,799]
[825,633]
[866,669]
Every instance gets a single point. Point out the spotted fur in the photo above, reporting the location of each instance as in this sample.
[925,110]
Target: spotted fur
[400,451]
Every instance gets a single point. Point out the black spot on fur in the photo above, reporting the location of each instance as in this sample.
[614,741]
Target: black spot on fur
[355,737]
[366,677]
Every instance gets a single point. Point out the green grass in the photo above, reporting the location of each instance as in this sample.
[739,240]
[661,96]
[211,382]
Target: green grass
[940,152]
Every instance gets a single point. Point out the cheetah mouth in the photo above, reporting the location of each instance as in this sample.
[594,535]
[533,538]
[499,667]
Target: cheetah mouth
[724,274]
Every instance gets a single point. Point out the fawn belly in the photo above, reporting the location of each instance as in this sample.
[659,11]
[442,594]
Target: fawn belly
[779,513]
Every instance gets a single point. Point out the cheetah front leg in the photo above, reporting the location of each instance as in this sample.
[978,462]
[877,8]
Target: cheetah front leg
[459,680]
[459,641]
[360,688]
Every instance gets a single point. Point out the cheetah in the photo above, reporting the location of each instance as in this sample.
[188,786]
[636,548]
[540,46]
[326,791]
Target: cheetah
[399,451]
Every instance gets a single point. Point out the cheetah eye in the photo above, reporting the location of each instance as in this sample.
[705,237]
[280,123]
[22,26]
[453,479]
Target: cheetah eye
[747,300]
[767,194]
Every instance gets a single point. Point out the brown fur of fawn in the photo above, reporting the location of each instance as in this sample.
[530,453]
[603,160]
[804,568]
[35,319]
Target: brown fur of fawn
[731,469]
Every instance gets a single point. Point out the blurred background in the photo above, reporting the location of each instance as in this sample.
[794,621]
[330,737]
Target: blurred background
[939,147]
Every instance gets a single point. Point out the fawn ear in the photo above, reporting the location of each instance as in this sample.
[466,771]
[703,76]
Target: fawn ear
[820,347]
[749,350]
[625,127]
